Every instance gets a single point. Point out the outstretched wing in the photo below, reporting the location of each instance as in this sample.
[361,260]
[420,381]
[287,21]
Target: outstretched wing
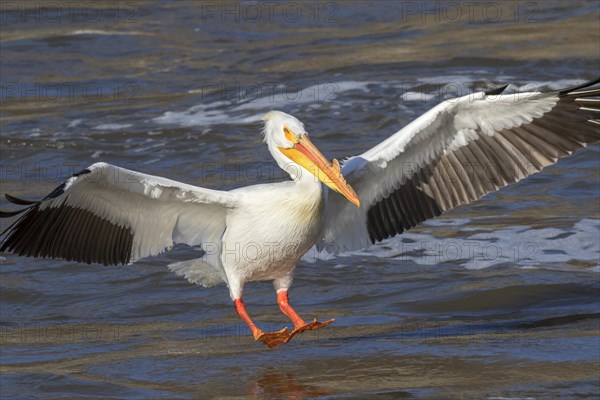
[454,154]
[110,215]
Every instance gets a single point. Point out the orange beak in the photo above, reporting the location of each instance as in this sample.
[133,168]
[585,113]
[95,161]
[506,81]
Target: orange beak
[308,156]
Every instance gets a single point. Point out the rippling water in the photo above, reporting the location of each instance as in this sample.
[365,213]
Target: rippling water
[497,299]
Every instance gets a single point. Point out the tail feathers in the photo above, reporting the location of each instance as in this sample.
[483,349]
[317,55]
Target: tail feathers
[199,272]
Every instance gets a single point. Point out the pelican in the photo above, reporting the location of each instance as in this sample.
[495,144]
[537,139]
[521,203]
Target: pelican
[453,154]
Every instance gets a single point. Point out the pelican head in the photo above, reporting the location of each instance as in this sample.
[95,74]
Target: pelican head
[286,135]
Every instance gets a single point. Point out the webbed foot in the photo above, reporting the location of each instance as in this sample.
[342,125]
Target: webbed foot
[273,339]
[311,326]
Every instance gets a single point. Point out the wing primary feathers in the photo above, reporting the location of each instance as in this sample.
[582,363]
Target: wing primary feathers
[590,109]
[7,214]
[70,233]
[586,100]
[18,201]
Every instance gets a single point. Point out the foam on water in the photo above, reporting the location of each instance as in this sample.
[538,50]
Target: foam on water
[417,96]
[111,127]
[99,32]
[74,123]
[253,110]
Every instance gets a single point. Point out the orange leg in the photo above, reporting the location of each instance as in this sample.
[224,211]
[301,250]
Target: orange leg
[270,339]
[299,324]
[284,305]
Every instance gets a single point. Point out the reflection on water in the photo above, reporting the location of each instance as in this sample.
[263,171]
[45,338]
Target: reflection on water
[282,385]
[497,299]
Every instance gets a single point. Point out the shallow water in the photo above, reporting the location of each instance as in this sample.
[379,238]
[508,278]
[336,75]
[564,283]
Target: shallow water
[497,299]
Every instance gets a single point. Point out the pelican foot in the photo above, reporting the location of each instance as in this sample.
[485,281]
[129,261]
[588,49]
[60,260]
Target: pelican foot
[273,339]
[311,326]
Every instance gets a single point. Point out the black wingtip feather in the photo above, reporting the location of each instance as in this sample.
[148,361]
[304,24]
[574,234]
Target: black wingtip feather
[69,233]
[7,214]
[18,201]
[495,91]
[566,91]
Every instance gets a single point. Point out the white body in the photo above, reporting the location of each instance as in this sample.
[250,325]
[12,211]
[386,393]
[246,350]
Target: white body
[272,227]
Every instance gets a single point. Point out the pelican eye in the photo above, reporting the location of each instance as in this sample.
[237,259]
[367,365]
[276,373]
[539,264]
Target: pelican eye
[289,135]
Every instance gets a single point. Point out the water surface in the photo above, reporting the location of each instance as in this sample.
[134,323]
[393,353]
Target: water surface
[497,299]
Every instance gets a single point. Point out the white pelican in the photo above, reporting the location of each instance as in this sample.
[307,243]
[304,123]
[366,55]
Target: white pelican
[453,154]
